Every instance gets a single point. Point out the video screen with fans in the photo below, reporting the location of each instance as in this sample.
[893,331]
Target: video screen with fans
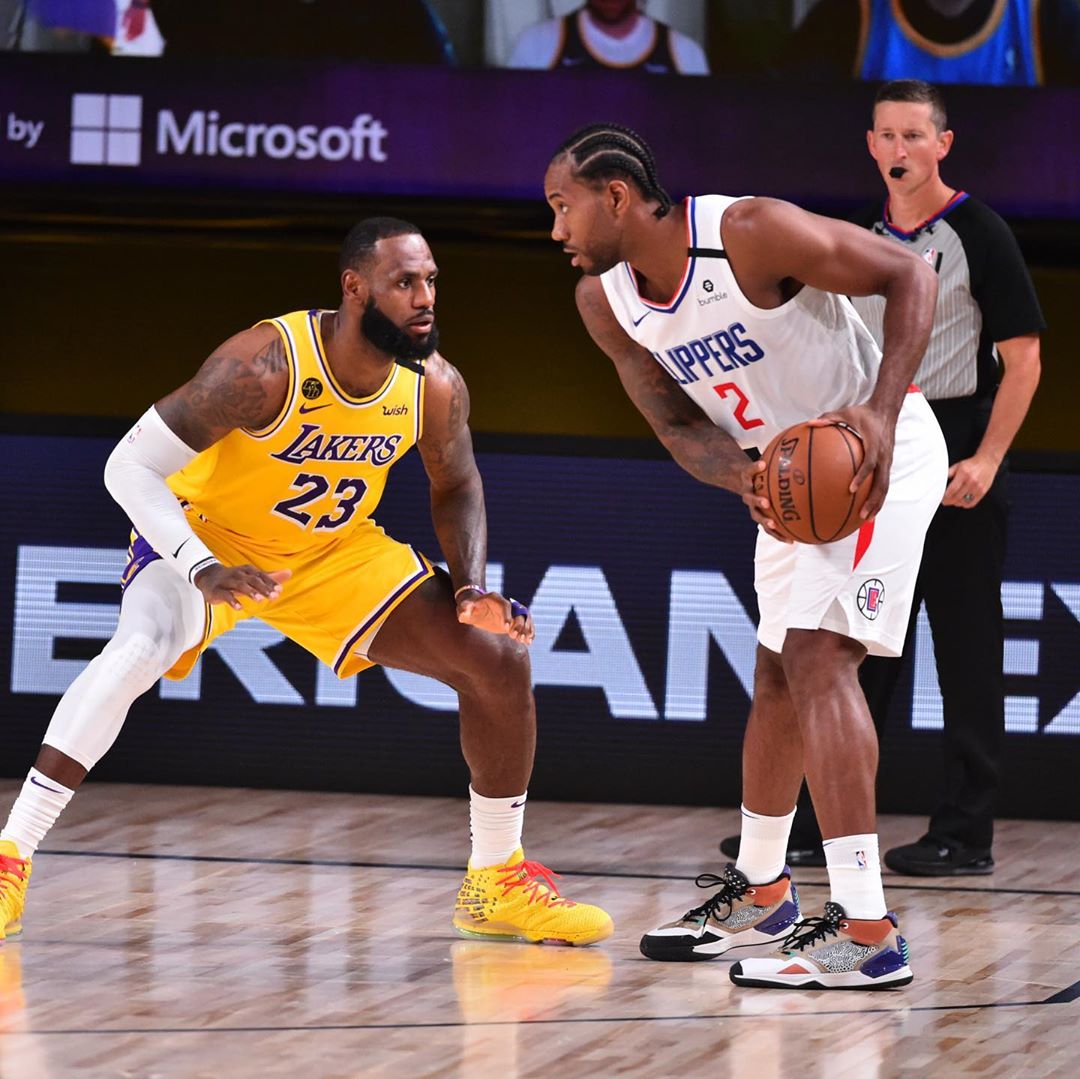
[980,42]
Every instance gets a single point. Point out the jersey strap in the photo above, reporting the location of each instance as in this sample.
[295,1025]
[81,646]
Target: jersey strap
[410,365]
[706,253]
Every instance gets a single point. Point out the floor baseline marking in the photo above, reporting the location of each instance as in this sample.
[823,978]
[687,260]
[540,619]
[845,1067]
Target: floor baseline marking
[457,869]
[1063,996]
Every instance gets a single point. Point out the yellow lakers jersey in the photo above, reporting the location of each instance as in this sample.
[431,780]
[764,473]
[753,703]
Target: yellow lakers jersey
[317,472]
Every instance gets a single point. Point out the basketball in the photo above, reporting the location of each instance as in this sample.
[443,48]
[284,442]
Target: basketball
[808,471]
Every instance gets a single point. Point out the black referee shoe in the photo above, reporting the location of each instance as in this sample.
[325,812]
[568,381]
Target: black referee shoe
[930,857]
[805,855]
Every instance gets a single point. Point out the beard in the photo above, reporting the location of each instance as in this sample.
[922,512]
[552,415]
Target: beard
[607,258]
[598,269]
[387,337]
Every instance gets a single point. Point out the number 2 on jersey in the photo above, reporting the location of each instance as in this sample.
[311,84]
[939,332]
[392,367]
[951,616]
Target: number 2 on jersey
[316,486]
[744,421]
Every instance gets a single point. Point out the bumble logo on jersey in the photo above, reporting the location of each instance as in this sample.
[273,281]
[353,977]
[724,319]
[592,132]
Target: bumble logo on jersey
[301,482]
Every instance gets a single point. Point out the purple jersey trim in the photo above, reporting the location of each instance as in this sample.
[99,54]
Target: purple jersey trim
[140,555]
[346,651]
[900,234]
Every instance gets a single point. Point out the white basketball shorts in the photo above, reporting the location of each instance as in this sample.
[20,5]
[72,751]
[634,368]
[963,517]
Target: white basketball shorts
[861,586]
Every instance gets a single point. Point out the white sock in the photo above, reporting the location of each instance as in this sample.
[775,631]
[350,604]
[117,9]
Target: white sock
[763,846]
[40,802]
[855,875]
[496,828]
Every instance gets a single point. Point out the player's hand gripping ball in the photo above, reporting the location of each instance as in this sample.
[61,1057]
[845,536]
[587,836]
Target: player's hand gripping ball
[807,480]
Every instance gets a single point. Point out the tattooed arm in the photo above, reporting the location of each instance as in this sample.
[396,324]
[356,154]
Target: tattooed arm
[457,501]
[243,384]
[693,440]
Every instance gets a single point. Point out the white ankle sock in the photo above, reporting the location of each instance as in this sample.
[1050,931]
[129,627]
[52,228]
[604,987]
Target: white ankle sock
[496,828]
[763,846]
[855,875]
[40,802]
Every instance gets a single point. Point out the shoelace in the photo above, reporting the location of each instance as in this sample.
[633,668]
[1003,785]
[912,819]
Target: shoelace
[733,885]
[810,930]
[533,876]
[12,871]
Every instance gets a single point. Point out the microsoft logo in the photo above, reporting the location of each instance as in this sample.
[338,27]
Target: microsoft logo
[106,129]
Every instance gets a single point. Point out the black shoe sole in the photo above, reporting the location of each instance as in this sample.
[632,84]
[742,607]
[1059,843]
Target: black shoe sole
[675,954]
[807,859]
[938,871]
[803,857]
[753,983]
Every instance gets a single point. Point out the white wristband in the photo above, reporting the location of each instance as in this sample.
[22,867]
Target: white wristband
[135,476]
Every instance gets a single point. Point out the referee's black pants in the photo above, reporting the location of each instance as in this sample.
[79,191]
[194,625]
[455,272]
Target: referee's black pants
[960,581]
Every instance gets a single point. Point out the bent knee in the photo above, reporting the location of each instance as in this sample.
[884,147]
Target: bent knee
[769,677]
[138,659]
[492,663]
[810,655]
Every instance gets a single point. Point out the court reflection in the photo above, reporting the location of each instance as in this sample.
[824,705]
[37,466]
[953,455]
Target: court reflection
[501,985]
[21,1053]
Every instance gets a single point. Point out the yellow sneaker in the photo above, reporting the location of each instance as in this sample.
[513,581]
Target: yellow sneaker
[519,900]
[14,876]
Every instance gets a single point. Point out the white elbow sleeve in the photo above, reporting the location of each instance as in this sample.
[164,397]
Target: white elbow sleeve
[135,476]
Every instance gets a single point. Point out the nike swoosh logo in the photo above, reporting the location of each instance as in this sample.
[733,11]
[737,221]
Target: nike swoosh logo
[305,409]
[176,553]
[37,783]
[517,805]
[637,321]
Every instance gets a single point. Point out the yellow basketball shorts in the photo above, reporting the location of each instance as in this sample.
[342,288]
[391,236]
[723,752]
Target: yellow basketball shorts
[334,603]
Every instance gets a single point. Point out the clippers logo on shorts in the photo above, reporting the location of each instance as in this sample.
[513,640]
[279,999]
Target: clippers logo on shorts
[871,598]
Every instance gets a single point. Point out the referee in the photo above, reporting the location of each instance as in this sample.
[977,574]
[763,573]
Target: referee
[987,325]
[979,374]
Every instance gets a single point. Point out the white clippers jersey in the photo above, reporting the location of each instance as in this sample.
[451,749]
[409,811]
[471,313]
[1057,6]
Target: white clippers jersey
[753,372]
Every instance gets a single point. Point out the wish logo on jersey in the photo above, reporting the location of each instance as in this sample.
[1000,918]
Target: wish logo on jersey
[314,444]
[724,350]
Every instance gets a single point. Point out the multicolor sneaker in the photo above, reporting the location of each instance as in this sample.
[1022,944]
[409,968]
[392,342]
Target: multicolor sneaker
[741,918]
[833,952]
[14,877]
[519,900]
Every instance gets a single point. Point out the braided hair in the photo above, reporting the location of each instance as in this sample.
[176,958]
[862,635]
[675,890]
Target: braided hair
[602,152]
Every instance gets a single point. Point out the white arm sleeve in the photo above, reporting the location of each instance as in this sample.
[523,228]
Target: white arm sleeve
[135,476]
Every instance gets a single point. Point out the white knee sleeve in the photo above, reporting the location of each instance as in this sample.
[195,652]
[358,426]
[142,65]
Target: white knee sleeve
[161,617]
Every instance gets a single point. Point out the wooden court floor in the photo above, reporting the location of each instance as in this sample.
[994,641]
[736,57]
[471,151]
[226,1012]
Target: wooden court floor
[177,931]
